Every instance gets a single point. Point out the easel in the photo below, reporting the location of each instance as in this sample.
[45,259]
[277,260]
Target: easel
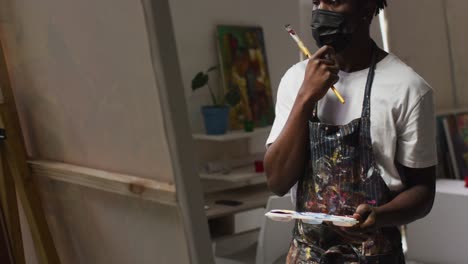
[16,181]
[6,254]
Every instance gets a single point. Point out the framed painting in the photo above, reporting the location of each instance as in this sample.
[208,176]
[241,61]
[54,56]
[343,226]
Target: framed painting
[456,130]
[244,67]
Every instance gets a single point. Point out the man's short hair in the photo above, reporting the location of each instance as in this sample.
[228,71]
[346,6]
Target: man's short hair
[381,4]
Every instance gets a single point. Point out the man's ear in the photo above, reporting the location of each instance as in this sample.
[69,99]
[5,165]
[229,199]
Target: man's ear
[369,10]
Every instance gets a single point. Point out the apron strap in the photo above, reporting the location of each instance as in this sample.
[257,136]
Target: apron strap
[365,129]
[370,81]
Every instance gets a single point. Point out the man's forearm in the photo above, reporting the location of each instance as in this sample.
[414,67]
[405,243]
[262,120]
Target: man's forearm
[285,159]
[408,206]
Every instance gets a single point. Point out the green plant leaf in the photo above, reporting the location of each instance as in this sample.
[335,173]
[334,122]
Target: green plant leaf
[233,97]
[200,80]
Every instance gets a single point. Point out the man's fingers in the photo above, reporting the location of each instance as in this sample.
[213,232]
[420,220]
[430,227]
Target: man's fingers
[363,210]
[323,51]
[327,62]
[333,69]
[370,222]
[335,78]
[332,56]
[357,216]
[329,67]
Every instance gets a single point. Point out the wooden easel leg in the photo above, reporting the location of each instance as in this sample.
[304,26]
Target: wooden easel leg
[16,160]
[5,249]
[10,210]
[31,201]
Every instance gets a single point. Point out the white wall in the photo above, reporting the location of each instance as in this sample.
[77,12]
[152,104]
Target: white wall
[458,30]
[195,23]
[418,36]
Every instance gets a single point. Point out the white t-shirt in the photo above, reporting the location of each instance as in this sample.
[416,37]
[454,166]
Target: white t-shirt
[402,113]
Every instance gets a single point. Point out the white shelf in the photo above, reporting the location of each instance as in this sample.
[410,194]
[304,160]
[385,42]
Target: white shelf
[237,175]
[233,135]
[454,187]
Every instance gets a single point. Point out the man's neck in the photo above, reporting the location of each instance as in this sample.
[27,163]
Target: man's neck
[357,56]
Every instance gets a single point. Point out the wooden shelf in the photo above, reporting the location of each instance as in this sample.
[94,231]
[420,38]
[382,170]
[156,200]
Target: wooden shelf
[236,175]
[237,178]
[250,197]
[233,135]
[212,186]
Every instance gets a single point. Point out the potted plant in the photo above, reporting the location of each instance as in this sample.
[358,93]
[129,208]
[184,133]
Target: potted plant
[215,116]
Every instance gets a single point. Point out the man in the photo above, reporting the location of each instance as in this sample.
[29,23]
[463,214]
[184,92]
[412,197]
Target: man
[372,158]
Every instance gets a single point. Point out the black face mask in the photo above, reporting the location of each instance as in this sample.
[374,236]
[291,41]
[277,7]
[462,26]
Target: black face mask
[330,28]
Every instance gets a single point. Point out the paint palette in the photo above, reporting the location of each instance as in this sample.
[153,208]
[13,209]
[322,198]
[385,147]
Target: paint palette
[311,218]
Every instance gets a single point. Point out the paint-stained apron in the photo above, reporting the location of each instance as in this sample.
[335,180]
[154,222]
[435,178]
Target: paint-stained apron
[341,175]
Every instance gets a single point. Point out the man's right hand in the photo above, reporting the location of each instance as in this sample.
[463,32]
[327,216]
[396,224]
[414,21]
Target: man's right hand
[286,159]
[321,74]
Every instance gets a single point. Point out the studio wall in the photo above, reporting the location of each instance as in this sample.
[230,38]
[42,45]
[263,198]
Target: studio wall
[418,35]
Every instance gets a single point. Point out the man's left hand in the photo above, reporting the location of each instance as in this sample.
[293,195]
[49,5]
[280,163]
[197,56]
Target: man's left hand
[367,217]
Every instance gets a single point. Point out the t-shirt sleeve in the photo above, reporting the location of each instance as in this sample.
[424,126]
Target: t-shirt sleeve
[284,102]
[416,143]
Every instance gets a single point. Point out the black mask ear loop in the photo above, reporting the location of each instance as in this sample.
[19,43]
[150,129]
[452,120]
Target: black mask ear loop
[315,7]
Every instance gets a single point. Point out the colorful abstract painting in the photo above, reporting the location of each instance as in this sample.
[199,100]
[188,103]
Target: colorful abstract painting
[456,128]
[444,165]
[244,67]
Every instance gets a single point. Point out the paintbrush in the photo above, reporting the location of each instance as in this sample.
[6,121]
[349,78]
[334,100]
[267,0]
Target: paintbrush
[306,51]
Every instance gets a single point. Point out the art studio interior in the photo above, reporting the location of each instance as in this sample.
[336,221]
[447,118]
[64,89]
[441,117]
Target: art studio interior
[233,132]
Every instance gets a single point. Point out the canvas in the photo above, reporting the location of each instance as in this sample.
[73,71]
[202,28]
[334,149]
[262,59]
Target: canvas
[244,67]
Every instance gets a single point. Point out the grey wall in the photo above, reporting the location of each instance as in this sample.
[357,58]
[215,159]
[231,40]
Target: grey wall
[418,36]
[458,32]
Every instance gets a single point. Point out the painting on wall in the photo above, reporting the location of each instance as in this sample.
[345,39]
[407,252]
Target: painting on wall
[456,130]
[244,67]
[444,166]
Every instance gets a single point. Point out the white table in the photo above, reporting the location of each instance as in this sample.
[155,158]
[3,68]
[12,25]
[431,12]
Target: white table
[442,237]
